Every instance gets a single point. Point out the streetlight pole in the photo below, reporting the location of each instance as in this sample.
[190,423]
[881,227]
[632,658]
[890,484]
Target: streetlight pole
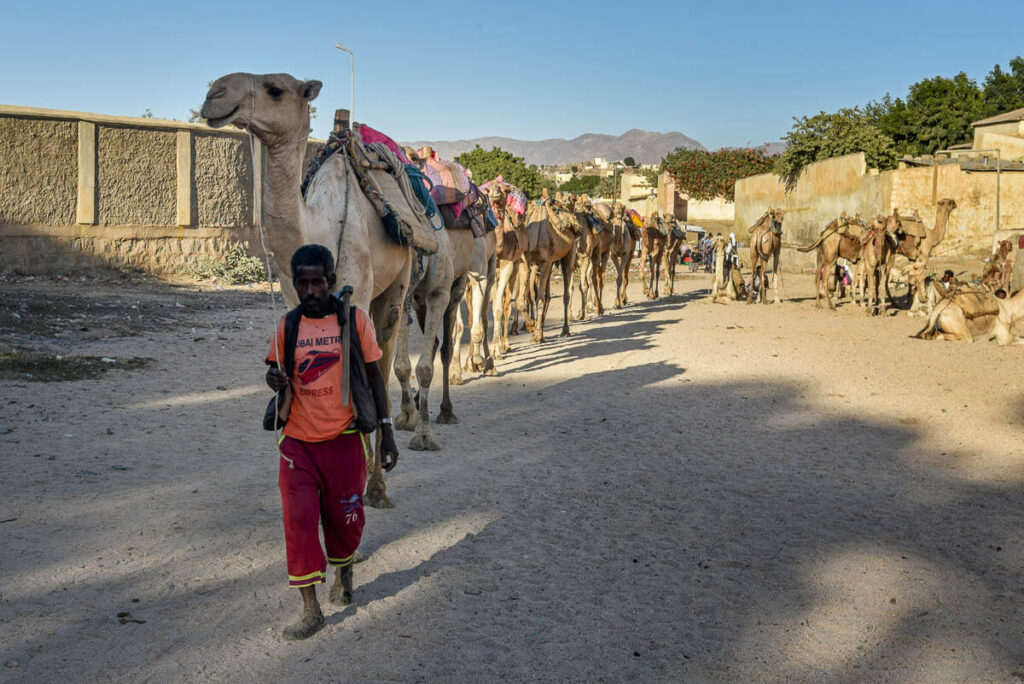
[352,82]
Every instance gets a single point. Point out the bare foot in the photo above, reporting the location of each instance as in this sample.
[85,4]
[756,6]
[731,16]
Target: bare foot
[308,625]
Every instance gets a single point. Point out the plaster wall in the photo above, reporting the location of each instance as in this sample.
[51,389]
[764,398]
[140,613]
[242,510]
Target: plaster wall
[38,170]
[829,187]
[135,177]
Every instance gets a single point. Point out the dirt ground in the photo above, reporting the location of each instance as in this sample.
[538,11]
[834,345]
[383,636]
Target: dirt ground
[679,491]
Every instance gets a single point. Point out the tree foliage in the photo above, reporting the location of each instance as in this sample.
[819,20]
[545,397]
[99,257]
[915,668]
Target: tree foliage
[629,161]
[826,135]
[935,114]
[488,164]
[706,175]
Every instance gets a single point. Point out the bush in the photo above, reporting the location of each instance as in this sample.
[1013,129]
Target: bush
[236,268]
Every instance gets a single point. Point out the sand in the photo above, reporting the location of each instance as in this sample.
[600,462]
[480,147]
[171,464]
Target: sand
[679,491]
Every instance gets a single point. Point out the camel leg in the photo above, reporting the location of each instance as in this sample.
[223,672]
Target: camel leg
[584,286]
[643,272]
[386,312]
[458,327]
[755,261]
[627,261]
[480,285]
[407,415]
[531,283]
[776,276]
[446,414]
[601,265]
[543,298]
[435,305]
[830,269]
[567,268]
[507,312]
[499,308]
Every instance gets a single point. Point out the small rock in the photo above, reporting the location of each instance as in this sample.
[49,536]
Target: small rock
[118,467]
[107,359]
[11,663]
[110,431]
[222,388]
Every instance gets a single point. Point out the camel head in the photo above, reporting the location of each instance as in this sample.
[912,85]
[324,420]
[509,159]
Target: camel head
[775,217]
[275,107]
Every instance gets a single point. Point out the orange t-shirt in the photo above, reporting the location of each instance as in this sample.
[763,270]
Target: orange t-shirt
[317,413]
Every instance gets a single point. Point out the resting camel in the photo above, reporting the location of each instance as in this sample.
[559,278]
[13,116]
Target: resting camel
[510,245]
[924,246]
[334,212]
[964,314]
[652,250]
[765,242]
[552,231]
[731,286]
[670,259]
[624,238]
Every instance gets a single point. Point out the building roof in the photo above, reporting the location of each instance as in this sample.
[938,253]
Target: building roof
[1007,117]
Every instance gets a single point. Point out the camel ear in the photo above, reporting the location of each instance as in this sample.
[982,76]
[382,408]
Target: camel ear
[310,89]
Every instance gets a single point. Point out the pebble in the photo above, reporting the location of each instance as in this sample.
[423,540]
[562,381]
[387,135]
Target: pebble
[11,663]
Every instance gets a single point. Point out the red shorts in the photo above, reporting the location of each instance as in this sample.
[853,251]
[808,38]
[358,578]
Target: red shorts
[324,484]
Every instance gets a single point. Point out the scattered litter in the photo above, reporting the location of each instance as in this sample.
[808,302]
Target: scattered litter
[16,315]
[119,467]
[107,359]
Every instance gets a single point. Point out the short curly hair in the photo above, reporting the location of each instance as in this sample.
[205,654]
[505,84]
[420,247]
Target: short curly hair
[313,255]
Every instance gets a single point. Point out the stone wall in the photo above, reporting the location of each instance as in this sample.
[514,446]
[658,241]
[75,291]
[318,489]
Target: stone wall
[80,191]
[827,188]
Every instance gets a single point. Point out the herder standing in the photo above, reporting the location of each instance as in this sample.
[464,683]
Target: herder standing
[322,474]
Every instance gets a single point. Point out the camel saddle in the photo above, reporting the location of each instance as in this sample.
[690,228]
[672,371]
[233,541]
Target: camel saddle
[974,302]
[471,218]
[913,226]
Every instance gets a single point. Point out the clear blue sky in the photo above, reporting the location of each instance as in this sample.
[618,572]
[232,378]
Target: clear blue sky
[724,73]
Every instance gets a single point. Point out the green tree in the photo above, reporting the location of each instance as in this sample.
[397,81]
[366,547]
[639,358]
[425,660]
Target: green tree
[580,185]
[939,112]
[1004,91]
[629,161]
[488,164]
[706,175]
[827,135]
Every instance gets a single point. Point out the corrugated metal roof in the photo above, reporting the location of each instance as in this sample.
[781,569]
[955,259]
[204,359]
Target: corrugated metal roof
[1015,115]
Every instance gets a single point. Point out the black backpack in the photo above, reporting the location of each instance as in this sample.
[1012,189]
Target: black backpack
[363,406]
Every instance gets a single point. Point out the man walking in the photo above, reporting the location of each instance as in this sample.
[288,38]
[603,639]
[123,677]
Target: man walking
[322,473]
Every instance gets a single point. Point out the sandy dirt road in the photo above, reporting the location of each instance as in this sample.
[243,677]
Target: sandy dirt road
[679,491]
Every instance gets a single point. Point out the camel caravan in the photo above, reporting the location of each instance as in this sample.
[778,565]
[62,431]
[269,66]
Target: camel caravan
[983,308]
[415,237]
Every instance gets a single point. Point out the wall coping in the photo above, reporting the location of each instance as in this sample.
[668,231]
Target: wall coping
[135,121]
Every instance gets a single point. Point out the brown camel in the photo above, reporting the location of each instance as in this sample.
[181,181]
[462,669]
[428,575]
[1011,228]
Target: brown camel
[624,239]
[765,242]
[878,250]
[840,238]
[510,246]
[592,251]
[999,268]
[932,237]
[966,313]
[670,258]
[552,231]
[275,109]
[652,250]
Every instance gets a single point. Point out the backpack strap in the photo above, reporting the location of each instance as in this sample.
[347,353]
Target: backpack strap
[291,337]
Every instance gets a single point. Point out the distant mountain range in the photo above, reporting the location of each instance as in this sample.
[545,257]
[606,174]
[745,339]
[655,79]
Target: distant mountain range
[645,147]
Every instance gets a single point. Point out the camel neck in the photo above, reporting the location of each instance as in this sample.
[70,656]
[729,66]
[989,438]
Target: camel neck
[282,198]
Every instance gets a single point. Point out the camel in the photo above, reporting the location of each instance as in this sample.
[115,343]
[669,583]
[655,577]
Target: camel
[652,250]
[479,290]
[876,258]
[964,314]
[592,251]
[765,241]
[731,286]
[999,268]
[840,238]
[275,109]
[670,258]
[924,245]
[624,238]
[510,245]
[552,231]
[435,299]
